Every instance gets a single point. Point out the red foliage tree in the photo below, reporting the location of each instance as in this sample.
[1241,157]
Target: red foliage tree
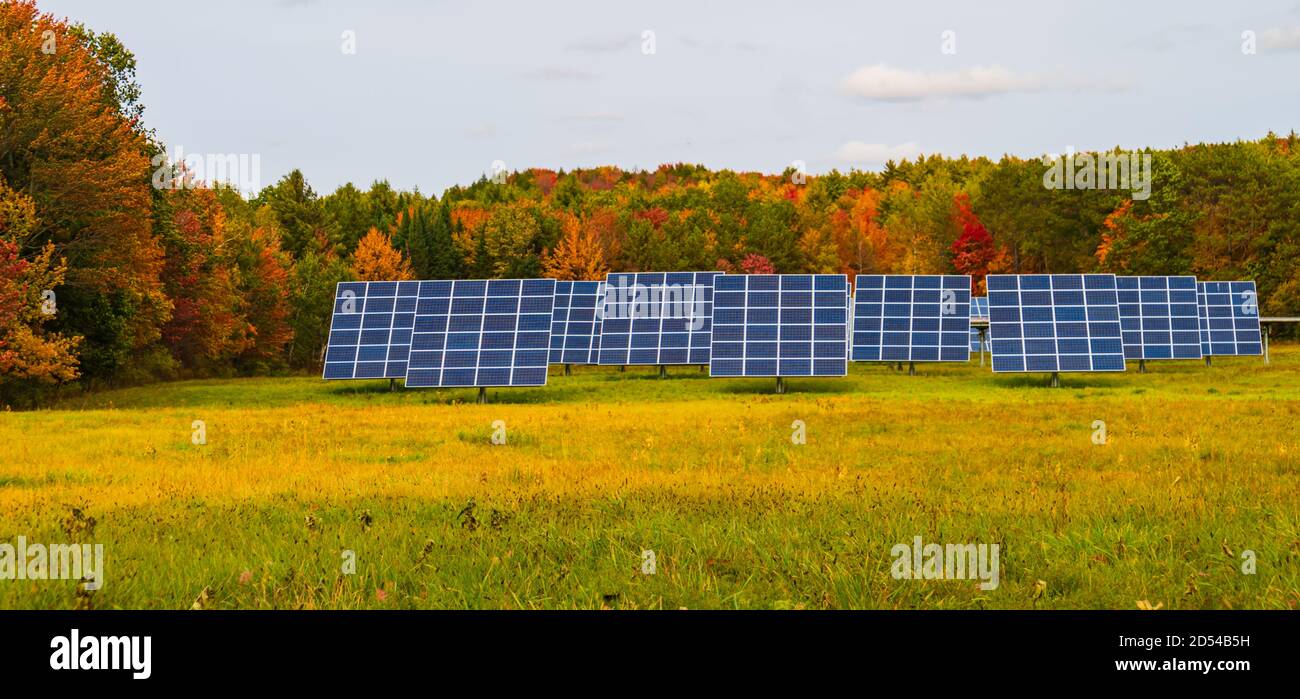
[973,251]
[755,263]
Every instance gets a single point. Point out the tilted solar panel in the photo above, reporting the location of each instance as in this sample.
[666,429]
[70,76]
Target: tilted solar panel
[657,318]
[1158,317]
[370,330]
[780,325]
[1054,323]
[574,321]
[1229,319]
[911,318]
[481,333]
[979,310]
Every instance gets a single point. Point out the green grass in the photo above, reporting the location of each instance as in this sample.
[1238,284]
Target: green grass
[1200,465]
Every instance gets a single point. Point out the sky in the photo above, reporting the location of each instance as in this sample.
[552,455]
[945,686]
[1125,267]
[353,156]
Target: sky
[431,94]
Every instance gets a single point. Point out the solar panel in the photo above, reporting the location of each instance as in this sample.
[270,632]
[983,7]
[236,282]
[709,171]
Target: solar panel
[574,322]
[1229,319]
[657,318]
[1054,323]
[979,310]
[482,333]
[911,318]
[370,330]
[1158,317]
[780,325]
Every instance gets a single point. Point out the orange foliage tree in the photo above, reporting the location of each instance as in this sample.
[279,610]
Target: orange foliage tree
[377,260]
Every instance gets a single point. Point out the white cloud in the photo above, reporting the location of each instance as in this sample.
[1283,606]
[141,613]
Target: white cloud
[859,153]
[881,82]
[481,131]
[1280,39]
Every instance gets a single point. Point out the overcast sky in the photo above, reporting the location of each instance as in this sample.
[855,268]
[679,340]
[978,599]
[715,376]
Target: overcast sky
[437,91]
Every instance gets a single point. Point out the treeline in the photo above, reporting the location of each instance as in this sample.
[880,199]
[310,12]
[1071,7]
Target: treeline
[107,278]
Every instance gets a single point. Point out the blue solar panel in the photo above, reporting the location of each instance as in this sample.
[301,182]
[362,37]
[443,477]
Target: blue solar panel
[657,318]
[911,318]
[780,325]
[1054,323]
[1158,317]
[370,330]
[574,321]
[1229,324]
[979,310]
[482,333]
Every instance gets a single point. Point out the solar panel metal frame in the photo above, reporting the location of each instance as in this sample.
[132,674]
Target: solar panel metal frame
[1227,329]
[642,340]
[574,339]
[1159,317]
[506,322]
[979,309]
[1087,303]
[761,328]
[370,330]
[892,312]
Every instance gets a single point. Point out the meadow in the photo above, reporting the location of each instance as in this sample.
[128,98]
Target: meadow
[1200,467]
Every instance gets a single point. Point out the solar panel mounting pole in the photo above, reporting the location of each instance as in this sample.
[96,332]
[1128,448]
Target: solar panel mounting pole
[1207,360]
[1056,380]
[663,371]
[911,368]
[780,384]
[981,346]
[392,384]
[568,369]
[1266,344]
[482,395]
[1142,366]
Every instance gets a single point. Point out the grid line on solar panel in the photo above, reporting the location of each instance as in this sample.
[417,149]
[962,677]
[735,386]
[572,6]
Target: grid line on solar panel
[657,318]
[1054,323]
[370,330]
[1159,317]
[1229,319]
[780,325]
[911,318]
[979,310]
[493,332]
[574,321]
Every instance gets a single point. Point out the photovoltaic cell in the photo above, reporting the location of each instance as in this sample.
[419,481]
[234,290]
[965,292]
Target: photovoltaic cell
[911,318]
[780,325]
[1159,317]
[657,318]
[1229,319]
[575,324]
[979,310]
[481,333]
[1054,323]
[370,330]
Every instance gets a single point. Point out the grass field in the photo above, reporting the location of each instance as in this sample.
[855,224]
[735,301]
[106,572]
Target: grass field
[1199,465]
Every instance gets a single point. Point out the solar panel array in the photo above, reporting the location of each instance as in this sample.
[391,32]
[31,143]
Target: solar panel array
[657,318]
[370,330]
[780,325]
[575,323]
[1159,317]
[911,318]
[1229,319]
[505,332]
[979,310]
[482,333]
[1054,323]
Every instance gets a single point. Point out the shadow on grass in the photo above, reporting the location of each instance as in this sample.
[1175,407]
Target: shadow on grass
[792,385]
[1068,381]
